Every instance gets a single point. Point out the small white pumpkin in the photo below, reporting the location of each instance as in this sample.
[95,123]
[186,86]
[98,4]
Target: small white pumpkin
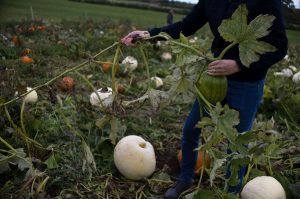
[293,68]
[104,94]
[263,187]
[296,78]
[31,97]
[157,81]
[166,56]
[134,157]
[130,63]
[286,72]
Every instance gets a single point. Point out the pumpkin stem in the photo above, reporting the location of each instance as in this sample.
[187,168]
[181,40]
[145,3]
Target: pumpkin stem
[225,50]
[142,145]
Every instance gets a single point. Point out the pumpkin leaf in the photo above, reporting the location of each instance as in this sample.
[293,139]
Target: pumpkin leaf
[89,163]
[236,29]
[101,122]
[250,50]
[184,56]
[4,164]
[51,162]
[117,129]
[15,157]
[217,164]
[157,98]
[225,119]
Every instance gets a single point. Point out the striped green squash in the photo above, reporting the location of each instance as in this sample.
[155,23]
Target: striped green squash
[213,88]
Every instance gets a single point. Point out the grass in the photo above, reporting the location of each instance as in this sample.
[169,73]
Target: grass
[69,10]
[294,37]
[57,10]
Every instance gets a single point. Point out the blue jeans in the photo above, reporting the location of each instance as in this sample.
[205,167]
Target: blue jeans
[244,97]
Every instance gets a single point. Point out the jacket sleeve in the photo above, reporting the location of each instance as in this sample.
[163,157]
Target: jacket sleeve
[277,38]
[192,22]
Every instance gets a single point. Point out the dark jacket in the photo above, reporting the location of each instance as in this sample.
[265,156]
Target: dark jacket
[214,11]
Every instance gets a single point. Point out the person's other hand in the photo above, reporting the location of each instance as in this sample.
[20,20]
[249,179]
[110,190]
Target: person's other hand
[223,67]
[133,37]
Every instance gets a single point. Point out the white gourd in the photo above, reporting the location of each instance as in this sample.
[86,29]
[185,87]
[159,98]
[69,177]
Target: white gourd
[263,187]
[31,97]
[134,157]
[104,94]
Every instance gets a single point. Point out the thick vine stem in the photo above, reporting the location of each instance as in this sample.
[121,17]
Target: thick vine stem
[7,144]
[146,64]
[169,39]
[207,103]
[18,129]
[61,74]
[23,128]
[225,50]
[113,72]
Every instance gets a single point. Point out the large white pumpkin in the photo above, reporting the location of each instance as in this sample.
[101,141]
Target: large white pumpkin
[134,157]
[263,187]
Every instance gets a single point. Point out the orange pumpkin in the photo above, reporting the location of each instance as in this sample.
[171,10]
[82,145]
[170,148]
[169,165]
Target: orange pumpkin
[69,83]
[106,67]
[31,29]
[121,88]
[15,39]
[26,59]
[199,163]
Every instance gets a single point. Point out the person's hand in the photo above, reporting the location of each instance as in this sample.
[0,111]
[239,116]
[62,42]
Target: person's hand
[133,37]
[223,67]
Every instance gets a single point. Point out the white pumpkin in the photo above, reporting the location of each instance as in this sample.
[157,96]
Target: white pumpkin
[134,157]
[104,94]
[31,97]
[158,82]
[286,72]
[293,68]
[296,78]
[130,63]
[263,187]
[166,56]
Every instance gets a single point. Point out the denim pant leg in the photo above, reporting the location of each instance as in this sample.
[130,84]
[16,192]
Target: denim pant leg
[190,141]
[244,97]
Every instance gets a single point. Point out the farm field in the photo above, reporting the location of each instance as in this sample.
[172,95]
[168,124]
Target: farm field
[68,10]
[62,145]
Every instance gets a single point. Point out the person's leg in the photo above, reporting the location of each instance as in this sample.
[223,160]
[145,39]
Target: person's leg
[244,97]
[189,141]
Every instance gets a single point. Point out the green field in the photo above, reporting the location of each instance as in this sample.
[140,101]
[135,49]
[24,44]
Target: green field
[294,37]
[57,10]
[69,10]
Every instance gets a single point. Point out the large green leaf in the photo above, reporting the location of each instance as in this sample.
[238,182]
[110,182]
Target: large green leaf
[232,29]
[259,26]
[236,30]
[225,119]
[250,50]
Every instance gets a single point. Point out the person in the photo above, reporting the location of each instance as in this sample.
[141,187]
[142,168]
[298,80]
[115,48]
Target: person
[245,84]
[170,17]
